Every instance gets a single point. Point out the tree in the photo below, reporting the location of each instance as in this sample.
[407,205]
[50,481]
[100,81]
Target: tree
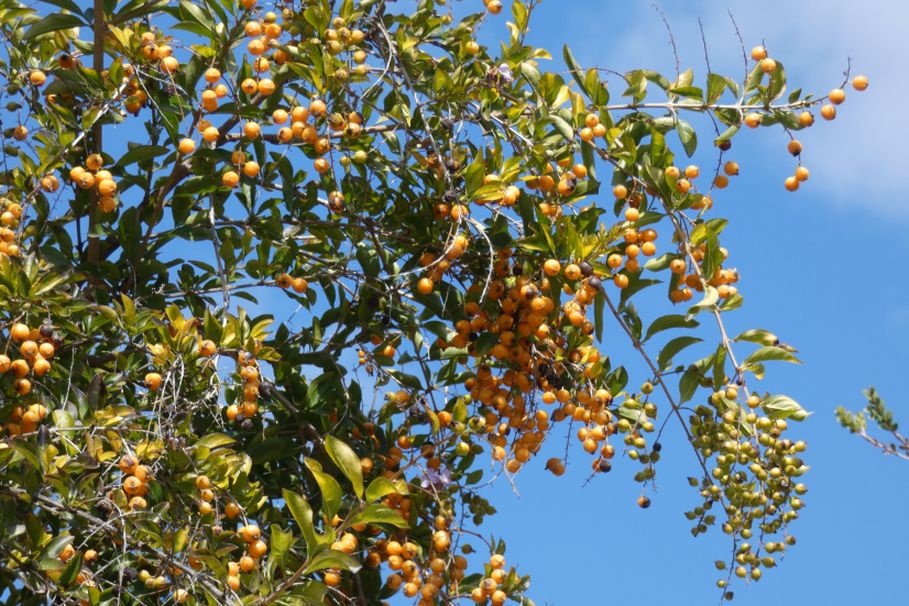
[463,219]
[883,418]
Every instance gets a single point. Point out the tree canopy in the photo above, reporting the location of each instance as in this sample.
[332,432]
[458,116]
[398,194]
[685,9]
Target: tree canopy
[452,226]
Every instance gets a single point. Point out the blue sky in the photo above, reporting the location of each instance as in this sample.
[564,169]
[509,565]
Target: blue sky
[818,268]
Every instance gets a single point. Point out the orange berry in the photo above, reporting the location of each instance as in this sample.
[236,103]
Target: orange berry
[153,381]
[425,286]
[552,267]
[19,332]
[860,82]
[251,533]
[247,564]
[300,285]
[251,130]
[186,146]
[230,179]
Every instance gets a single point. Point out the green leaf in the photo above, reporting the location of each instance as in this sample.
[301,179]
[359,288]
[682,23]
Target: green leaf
[379,488]
[519,12]
[329,558]
[758,335]
[214,440]
[141,153]
[670,321]
[599,310]
[783,407]
[347,461]
[194,10]
[380,514]
[713,257]
[687,136]
[769,353]
[281,541]
[692,92]
[181,538]
[635,285]
[777,85]
[302,513]
[562,126]
[660,263]
[485,342]
[71,571]
[688,384]
[66,4]
[530,72]
[576,72]
[664,359]
[329,487]
[711,296]
[52,550]
[52,23]
[727,134]
[715,86]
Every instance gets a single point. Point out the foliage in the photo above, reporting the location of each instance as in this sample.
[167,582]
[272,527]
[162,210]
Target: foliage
[464,220]
[856,422]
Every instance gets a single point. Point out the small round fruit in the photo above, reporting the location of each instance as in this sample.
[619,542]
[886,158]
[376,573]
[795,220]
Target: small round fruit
[207,348]
[19,332]
[232,510]
[258,549]
[247,564]
[300,285]
[186,146]
[837,96]
[860,82]
[425,286]
[759,53]
[153,381]
[230,179]
[250,533]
